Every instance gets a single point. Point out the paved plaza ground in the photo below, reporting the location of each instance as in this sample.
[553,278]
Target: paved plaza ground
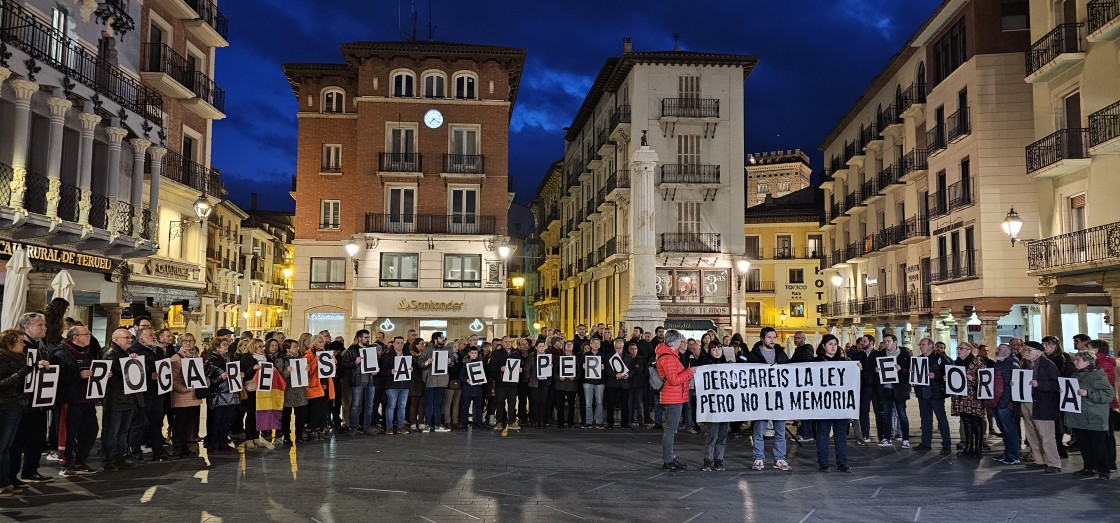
[564,475]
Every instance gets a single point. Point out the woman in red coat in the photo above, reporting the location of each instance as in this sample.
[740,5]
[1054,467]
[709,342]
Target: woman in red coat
[674,394]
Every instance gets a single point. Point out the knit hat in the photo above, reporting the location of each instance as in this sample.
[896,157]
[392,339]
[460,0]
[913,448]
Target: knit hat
[1033,345]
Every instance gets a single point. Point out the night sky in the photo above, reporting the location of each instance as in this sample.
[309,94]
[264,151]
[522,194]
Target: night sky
[815,58]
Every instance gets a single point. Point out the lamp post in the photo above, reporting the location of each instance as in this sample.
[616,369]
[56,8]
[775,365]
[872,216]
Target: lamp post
[352,251]
[505,251]
[1012,224]
[743,265]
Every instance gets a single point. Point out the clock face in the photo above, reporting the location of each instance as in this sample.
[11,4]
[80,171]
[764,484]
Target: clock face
[433,118]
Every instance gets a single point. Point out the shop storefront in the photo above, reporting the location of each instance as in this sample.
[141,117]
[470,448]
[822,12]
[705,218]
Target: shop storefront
[455,313]
[695,297]
[168,291]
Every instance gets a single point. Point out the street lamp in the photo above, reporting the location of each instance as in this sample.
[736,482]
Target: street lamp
[202,210]
[287,272]
[518,282]
[352,251]
[504,251]
[1012,224]
[202,207]
[837,280]
[743,265]
[259,313]
[783,317]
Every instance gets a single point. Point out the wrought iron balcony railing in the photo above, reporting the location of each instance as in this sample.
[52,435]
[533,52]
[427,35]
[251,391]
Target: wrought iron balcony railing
[1104,125]
[208,11]
[1066,144]
[430,223]
[1095,244]
[690,107]
[400,162]
[954,266]
[690,242]
[464,163]
[1065,38]
[1101,13]
[689,173]
[958,125]
[915,160]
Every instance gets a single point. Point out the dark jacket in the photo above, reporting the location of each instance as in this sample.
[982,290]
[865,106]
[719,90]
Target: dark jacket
[498,359]
[803,354]
[936,389]
[1063,362]
[639,373]
[531,368]
[1003,378]
[900,390]
[469,391]
[151,355]
[583,373]
[115,398]
[71,361]
[1045,395]
[219,388]
[613,382]
[13,372]
[868,378]
[385,368]
[780,357]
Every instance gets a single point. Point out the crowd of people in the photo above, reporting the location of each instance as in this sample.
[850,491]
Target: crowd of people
[649,387]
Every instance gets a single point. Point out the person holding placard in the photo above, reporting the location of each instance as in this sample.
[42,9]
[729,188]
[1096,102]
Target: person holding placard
[566,386]
[674,395]
[363,386]
[769,353]
[251,358]
[147,423]
[617,391]
[13,372]
[320,390]
[969,407]
[396,390]
[453,395]
[591,371]
[1004,408]
[222,404]
[894,389]
[864,352]
[184,404]
[434,365]
[471,401]
[639,384]
[1090,426]
[541,367]
[715,432]
[931,399]
[1044,408]
[77,415]
[118,407]
[295,398]
[829,350]
[1052,349]
[32,434]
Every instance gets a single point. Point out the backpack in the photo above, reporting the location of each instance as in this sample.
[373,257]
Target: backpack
[655,379]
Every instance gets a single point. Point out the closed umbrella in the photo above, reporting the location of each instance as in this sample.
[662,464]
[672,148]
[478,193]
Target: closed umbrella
[15,288]
[63,286]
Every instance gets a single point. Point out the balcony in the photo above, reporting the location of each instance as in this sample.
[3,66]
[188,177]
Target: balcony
[1063,152]
[1091,249]
[853,202]
[889,121]
[22,30]
[914,229]
[546,295]
[856,251]
[211,100]
[890,175]
[469,164]
[960,195]
[689,108]
[690,173]
[211,26]
[838,258]
[836,167]
[918,301]
[1056,53]
[889,237]
[620,116]
[935,140]
[400,164]
[839,211]
[1104,20]
[853,153]
[915,164]
[758,287]
[166,71]
[912,102]
[690,242]
[869,138]
[869,190]
[958,125]
[430,224]
[189,173]
[1104,130]
[954,267]
[938,203]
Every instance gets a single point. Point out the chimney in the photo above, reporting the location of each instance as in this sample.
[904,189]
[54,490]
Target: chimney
[627,45]
[253,201]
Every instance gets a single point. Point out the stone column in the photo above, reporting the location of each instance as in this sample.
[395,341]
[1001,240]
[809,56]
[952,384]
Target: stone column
[941,333]
[112,317]
[989,331]
[962,330]
[157,152]
[139,149]
[38,285]
[89,123]
[644,310]
[1052,316]
[879,329]
[4,74]
[21,129]
[58,107]
[113,174]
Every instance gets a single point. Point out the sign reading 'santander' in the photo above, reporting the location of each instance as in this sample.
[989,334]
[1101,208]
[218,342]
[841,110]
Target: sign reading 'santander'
[744,391]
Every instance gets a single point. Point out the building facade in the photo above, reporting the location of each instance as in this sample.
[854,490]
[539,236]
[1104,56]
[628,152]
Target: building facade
[776,174]
[402,188]
[1071,70]
[546,211]
[683,111]
[784,284]
[266,248]
[917,173]
[225,269]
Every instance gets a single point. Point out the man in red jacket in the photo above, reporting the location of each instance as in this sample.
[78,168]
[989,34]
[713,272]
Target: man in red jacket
[674,395]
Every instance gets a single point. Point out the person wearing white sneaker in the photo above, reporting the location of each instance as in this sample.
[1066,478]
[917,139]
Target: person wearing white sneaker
[769,353]
[895,395]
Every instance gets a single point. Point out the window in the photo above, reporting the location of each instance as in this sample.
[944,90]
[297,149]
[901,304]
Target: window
[399,270]
[688,149]
[815,245]
[464,210]
[783,246]
[334,100]
[763,188]
[688,87]
[465,86]
[1077,220]
[1015,15]
[329,214]
[949,52]
[404,84]
[688,217]
[59,22]
[783,186]
[753,250]
[332,158]
[464,157]
[462,270]
[327,273]
[434,85]
[797,275]
[796,309]
[402,209]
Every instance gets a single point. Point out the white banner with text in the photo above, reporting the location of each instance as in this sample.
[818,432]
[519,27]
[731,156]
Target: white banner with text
[745,391]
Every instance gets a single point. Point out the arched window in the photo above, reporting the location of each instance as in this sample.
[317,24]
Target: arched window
[435,85]
[334,100]
[921,81]
[404,84]
[465,86]
[898,99]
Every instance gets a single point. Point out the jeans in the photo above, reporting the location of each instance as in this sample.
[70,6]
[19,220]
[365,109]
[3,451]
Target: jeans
[689,409]
[1010,428]
[362,396]
[839,430]
[637,404]
[9,423]
[716,441]
[396,408]
[779,440]
[433,406]
[114,435]
[593,403]
[899,406]
[669,432]
[927,409]
[658,409]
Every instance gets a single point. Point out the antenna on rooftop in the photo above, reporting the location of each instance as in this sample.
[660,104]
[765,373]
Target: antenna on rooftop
[431,28]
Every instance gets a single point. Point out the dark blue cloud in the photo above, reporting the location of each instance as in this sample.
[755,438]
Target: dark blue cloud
[816,57]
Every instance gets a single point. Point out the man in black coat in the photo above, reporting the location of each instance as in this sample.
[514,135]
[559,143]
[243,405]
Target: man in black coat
[931,399]
[1044,408]
[864,352]
[118,407]
[894,395]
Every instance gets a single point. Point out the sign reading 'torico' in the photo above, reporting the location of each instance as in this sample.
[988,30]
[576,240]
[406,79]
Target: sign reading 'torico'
[53,255]
[429,305]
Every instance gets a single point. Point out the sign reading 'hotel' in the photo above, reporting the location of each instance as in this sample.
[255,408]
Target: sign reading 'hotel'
[50,254]
[429,305]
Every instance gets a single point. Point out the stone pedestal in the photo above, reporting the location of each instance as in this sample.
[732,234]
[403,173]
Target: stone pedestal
[644,310]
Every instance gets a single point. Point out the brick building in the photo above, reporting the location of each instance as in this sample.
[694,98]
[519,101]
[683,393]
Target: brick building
[402,187]
[776,174]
